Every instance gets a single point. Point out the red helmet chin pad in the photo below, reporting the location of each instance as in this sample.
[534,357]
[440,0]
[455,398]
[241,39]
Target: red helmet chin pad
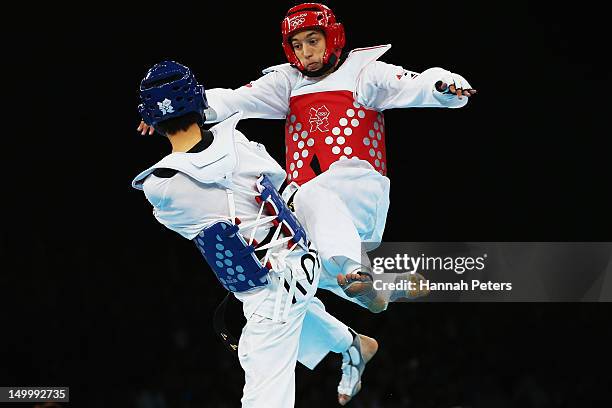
[313,16]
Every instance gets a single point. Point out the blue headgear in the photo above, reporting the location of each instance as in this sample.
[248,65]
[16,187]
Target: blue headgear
[170,90]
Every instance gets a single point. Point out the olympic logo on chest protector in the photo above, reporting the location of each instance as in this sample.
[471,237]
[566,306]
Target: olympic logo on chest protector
[319,119]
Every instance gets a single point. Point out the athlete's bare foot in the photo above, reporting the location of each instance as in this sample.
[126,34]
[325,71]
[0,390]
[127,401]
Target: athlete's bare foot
[369,347]
[361,287]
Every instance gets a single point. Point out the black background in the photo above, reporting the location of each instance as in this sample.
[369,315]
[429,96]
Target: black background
[99,297]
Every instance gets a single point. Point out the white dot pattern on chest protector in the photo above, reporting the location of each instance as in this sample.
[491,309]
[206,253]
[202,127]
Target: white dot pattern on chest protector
[346,128]
[298,163]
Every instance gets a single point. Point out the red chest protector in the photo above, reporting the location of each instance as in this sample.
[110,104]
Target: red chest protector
[325,123]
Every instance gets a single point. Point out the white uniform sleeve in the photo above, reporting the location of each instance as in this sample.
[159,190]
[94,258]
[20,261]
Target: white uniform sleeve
[265,98]
[384,86]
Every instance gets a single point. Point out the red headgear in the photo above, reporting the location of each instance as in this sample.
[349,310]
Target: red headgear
[313,16]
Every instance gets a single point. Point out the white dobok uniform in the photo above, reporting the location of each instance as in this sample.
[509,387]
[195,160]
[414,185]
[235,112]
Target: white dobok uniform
[218,183]
[336,123]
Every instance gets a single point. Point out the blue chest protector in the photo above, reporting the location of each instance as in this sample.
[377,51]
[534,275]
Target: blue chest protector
[283,213]
[230,257]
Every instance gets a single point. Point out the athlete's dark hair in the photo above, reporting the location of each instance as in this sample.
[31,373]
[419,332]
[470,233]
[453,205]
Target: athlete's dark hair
[174,125]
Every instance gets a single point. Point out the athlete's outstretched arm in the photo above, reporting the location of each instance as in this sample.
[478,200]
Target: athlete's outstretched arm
[265,98]
[385,86]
